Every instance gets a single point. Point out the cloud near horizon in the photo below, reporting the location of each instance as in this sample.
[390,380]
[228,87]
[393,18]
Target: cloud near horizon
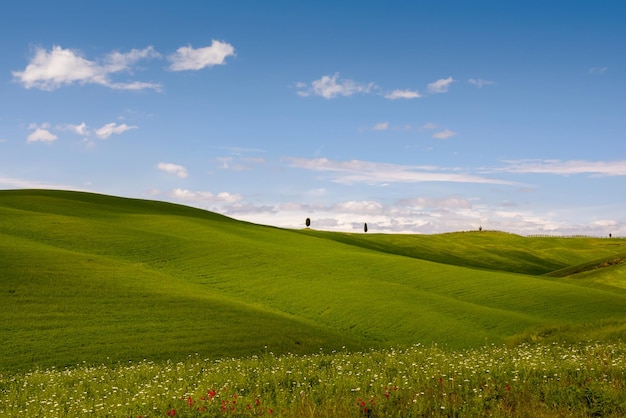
[204,197]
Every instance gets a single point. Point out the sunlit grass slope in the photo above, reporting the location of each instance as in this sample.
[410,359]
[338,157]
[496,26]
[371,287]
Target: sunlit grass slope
[94,278]
[492,250]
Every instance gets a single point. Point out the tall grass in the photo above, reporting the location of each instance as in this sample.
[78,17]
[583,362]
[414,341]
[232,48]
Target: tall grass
[538,380]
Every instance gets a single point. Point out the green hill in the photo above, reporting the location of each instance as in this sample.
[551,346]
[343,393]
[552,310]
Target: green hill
[86,277]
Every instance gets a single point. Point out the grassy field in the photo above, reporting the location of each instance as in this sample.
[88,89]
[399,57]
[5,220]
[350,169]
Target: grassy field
[125,307]
[95,278]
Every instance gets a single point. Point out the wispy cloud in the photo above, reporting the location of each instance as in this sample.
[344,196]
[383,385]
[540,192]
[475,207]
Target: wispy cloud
[357,171]
[445,134]
[479,82]
[596,168]
[403,94]
[177,170]
[77,129]
[440,86]
[204,197]
[112,128]
[598,70]
[382,126]
[49,70]
[9,182]
[427,202]
[187,58]
[331,86]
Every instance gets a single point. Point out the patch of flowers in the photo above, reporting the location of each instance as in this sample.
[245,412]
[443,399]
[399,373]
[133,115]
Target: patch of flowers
[586,379]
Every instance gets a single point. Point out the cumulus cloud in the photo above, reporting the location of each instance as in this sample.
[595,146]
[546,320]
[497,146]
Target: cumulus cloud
[49,70]
[479,82]
[177,170]
[440,86]
[445,134]
[112,128]
[330,87]
[403,94]
[596,168]
[41,135]
[357,171]
[187,58]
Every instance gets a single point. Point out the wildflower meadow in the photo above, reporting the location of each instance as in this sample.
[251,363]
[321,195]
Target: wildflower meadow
[544,379]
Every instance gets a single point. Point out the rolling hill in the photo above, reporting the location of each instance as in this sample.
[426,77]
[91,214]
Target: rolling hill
[94,278]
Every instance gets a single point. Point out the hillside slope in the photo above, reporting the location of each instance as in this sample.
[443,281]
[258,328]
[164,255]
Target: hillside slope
[95,278]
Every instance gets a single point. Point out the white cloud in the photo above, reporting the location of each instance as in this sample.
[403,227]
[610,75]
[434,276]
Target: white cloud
[403,94]
[453,202]
[187,58]
[440,86]
[175,169]
[51,70]
[382,126]
[9,182]
[598,168]
[332,86]
[479,82]
[429,126]
[117,61]
[77,129]
[445,134]
[204,197]
[40,134]
[359,207]
[356,171]
[112,128]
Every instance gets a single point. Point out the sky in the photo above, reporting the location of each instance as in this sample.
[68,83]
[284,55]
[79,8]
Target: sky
[410,116]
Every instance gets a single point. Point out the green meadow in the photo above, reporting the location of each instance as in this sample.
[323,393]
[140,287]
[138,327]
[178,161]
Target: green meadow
[100,281]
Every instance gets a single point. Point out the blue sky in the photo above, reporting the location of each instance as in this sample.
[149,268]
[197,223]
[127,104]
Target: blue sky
[412,116]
